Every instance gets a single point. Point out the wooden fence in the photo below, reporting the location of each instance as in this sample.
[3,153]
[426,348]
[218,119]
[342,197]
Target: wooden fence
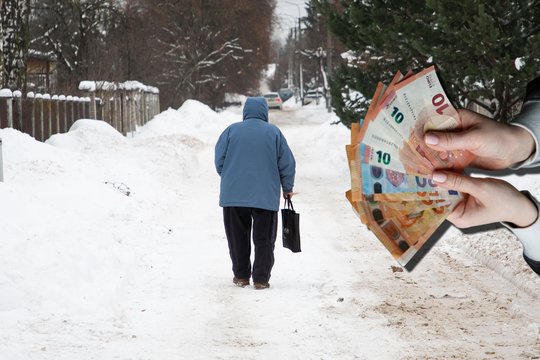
[124,106]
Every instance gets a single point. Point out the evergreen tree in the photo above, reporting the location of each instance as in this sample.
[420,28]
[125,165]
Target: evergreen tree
[14,38]
[486,51]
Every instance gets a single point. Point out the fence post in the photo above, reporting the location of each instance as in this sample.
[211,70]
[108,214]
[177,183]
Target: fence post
[86,107]
[47,105]
[76,109]
[80,108]
[17,95]
[69,103]
[122,110]
[99,109]
[136,108]
[62,105]
[93,106]
[32,97]
[39,99]
[7,96]
[56,104]
[130,116]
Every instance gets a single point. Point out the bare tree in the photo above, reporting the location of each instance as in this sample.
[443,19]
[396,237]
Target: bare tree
[77,33]
[196,49]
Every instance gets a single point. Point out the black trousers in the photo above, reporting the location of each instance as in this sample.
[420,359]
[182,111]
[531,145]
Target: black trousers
[239,222]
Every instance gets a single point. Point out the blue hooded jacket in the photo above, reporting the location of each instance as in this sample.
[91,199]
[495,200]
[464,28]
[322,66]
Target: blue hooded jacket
[254,161]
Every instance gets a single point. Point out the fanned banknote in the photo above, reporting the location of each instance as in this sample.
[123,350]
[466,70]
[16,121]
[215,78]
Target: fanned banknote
[391,166]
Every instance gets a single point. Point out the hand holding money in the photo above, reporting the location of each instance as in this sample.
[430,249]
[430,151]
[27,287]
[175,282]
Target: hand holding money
[483,137]
[488,197]
[391,187]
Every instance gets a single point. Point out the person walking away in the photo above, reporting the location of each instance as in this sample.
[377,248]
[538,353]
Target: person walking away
[255,163]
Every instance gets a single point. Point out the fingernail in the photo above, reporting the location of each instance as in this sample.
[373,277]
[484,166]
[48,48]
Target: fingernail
[431,139]
[439,177]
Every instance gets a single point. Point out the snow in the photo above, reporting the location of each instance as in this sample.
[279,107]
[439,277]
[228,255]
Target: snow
[131,85]
[87,85]
[5,93]
[519,62]
[114,248]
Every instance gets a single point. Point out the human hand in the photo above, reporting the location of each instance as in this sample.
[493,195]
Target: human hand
[489,200]
[288,195]
[495,145]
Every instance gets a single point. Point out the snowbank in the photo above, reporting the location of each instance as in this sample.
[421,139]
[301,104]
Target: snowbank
[89,135]
[114,247]
[191,119]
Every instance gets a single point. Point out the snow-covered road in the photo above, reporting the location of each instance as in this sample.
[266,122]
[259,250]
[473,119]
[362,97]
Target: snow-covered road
[87,272]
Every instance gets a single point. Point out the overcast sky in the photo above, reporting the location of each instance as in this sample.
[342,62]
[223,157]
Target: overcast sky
[287,12]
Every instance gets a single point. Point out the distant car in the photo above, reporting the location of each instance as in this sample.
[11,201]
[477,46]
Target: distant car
[274,100]
[285,93]
[312,95]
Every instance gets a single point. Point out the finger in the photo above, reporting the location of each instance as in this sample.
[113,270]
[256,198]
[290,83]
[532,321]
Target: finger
[466,214]
[463,140]
[470,118]
[457,215]
[458,182]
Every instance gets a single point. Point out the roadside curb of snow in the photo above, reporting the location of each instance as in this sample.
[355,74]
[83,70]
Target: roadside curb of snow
[500,251]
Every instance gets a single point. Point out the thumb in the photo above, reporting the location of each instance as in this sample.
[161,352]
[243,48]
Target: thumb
[454,181]
[463,140]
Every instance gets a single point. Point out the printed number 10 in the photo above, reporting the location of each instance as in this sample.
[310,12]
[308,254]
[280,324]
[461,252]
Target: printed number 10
[438,101]
[383,157]
[397,115]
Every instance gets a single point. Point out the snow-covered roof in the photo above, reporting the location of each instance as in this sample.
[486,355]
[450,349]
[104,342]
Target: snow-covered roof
[36,54]
[131,85]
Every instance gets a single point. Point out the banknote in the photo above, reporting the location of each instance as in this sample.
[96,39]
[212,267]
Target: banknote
[421,105]
[376,180]
[393,159]
[404,235]
[390,165]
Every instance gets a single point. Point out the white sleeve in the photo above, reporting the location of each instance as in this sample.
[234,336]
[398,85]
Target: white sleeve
[530,235]
[529,119]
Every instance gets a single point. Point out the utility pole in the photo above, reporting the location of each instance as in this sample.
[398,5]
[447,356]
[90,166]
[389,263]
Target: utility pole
[290,75]
[300,57]
[328,67]
[299,47]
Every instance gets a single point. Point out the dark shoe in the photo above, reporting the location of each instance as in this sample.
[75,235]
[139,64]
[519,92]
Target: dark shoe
[240,282]
[261,286]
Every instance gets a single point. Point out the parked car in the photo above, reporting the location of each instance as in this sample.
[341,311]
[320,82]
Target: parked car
[274,100]
[312,95]
[285,93]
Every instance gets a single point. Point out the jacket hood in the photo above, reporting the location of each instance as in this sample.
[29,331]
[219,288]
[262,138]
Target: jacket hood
[256,108]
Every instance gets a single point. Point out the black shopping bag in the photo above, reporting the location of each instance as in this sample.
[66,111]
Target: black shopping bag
[291,227]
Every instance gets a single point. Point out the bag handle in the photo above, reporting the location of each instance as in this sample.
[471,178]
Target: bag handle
[288,203]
